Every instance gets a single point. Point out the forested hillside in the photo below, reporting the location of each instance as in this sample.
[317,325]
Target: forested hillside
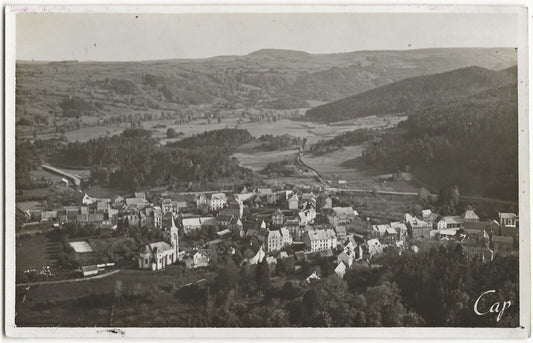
[472,143]
[134,158]
[412,94]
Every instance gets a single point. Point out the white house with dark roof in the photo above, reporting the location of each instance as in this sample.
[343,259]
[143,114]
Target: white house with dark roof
[508,219]
[274,240]
[316,240]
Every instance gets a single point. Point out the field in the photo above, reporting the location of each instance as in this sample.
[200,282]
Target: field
[312,131]
[36,252]
[347,164]
[135,296]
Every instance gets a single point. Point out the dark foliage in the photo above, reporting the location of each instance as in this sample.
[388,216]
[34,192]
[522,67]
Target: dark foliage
[413,94]
[471,143]
[344,139]
[134,159]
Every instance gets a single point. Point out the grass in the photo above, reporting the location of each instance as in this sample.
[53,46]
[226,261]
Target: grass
[347,164]
[36,252]
[59,305]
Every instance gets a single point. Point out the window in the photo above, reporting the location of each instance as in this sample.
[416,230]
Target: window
[145,261]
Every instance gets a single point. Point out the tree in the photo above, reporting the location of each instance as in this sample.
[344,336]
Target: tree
[262,276]
[289,291]
[424,196]
[171,133]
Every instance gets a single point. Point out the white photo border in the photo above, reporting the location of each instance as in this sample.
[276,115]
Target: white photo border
[523,53]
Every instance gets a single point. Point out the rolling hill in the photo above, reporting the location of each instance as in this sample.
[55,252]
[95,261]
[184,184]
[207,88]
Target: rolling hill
[471,142]
[413,94]
[269,77]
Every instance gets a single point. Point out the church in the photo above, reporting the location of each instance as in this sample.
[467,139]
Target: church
[159,255]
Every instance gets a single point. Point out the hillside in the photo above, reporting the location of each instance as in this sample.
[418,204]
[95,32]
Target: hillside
[412,94]
[472,143]
[281,77]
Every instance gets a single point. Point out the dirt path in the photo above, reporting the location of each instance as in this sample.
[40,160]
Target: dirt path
[68,280]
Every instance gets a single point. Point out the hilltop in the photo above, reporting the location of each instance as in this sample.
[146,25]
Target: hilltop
[412,94]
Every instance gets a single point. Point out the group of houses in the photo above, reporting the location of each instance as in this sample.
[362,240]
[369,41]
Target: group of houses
[271,221]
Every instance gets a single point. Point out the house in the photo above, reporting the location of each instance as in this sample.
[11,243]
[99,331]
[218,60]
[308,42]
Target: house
[340,270]
[386,233]
[309,214]
[190,224]
[447,233]
[470,216]
[90,218]
[346,258]
[223,220]
[340,215]
[332,238]
[89,270]
[140,195]
[264,192]
[292,202]
[271,260]
[417,228]
[258,257]
[286,238]
[154,217]
[159,255]
[283,255]
[169,205]
[117,200]
[200,200]
[508,220]
[274,240]
[47,216]
[137,203]
[340,230]
[374,246]
[324,203]
[314,276]
[429,217]
[101,205]
[272,198]
[200,259]
[401,229]
[317,240]
[449,222]
[71,213]
[87,200]
[216,201]
[278,218]
[207,221]
[233,208]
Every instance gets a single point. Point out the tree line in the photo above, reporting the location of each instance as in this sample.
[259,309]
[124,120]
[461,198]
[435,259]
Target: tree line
[471,143]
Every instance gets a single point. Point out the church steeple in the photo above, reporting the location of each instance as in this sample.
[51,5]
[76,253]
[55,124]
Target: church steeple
[174,238]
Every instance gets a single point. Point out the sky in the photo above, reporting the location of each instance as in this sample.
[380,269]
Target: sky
[135,37]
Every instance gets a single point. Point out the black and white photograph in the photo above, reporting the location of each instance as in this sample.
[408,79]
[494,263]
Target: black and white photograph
[279,167]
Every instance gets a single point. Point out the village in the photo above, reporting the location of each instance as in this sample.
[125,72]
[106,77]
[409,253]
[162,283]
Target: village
[195,230]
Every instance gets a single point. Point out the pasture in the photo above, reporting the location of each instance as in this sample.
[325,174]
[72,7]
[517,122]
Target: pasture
[154,293]
[36,252]
[310,130]
[347,164]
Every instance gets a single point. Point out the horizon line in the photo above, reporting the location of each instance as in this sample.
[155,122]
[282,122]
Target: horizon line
[255,51]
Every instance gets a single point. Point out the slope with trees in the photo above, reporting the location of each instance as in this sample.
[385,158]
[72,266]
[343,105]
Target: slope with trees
[413,94]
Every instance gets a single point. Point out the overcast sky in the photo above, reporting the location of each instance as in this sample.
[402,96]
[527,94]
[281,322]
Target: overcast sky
[126,37]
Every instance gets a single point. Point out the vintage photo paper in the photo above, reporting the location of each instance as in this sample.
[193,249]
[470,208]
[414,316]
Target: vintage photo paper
[261,171]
